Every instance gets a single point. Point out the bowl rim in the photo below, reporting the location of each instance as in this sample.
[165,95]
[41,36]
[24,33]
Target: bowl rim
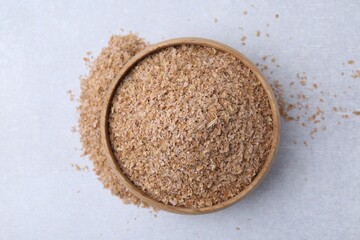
[105,139]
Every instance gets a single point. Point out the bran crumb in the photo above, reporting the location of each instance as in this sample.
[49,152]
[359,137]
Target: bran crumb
[73,129]
[243,40]
[71,95]
[356,74]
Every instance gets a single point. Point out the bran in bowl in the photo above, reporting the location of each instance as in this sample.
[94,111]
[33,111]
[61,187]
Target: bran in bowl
[191,126]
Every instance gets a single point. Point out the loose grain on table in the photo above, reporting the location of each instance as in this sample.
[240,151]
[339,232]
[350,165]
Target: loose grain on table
[93,89]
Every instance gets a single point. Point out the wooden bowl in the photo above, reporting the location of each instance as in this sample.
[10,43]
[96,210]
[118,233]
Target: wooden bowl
[108,103]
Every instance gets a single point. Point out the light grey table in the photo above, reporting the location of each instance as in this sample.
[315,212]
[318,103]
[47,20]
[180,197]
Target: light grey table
[310,193]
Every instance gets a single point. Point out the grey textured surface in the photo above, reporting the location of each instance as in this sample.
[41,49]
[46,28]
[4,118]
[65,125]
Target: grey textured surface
[310,193]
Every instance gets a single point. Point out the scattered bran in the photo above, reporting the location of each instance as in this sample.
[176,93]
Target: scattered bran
[71,95]
[243,40]
[93,88]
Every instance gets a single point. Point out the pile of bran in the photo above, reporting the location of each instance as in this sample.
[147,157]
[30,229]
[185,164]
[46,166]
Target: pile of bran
[93,89]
